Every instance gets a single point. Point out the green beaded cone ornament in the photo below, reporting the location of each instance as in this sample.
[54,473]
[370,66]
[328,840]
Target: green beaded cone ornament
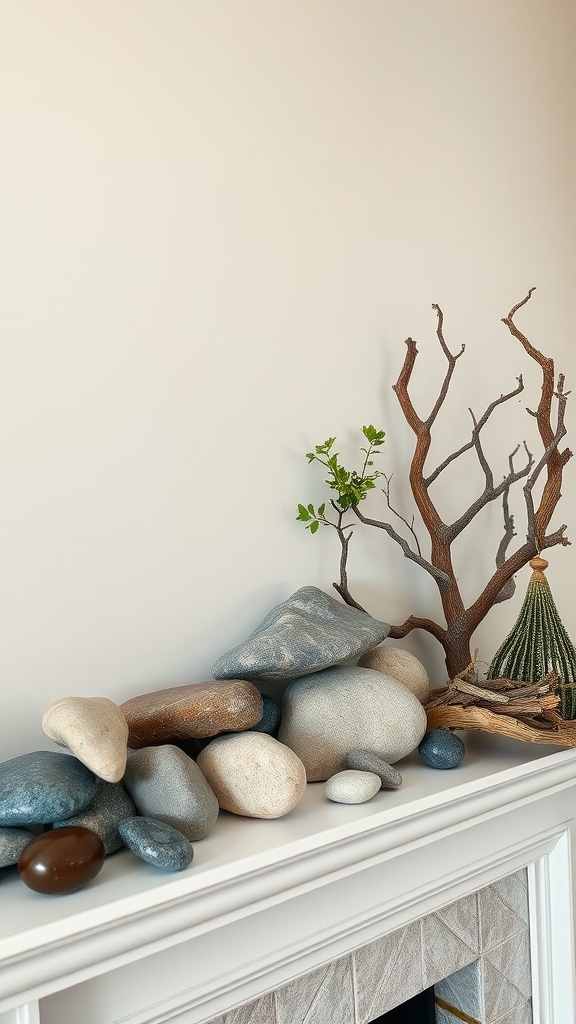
[539,643]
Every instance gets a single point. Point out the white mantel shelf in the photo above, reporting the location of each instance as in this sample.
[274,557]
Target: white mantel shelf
[266,901]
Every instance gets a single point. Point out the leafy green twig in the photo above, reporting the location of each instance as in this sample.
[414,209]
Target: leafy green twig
[351,488]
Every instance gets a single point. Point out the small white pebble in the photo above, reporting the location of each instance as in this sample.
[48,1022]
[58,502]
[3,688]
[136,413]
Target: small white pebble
[352,787]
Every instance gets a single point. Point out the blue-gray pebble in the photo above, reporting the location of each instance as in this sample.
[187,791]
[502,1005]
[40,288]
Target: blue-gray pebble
[104,813]
[13,842]
[270,721]
[44,786]
[442,749]
[157,843]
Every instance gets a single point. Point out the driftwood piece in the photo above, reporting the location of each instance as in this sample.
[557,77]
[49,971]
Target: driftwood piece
[522,711]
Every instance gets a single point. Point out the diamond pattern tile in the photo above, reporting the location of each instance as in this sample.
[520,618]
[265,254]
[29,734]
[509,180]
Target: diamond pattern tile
[388,972]
[325,996]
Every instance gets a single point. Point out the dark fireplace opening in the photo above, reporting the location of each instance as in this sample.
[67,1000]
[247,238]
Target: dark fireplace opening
[418,1010]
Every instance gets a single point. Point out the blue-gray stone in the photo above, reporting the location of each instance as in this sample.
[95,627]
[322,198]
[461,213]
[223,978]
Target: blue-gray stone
[270,721]
[442,749]
[157,843]
[44,786]
[366,761]
[104,813]
[308,632]
[13,842]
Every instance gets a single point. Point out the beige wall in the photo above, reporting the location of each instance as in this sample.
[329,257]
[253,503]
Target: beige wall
[221,219]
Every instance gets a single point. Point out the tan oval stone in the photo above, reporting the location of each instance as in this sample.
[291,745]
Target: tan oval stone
[195,711]
[399,664]
[94,729]
[253,774]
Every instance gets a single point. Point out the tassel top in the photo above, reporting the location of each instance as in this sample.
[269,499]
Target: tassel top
[538,565]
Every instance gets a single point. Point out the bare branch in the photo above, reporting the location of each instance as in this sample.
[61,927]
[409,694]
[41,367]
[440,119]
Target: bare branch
[490,493]
[451,365]
[509,587]
[556,461]
[342,586]
[545,459]
[415,622]
[409,526]
[442,579]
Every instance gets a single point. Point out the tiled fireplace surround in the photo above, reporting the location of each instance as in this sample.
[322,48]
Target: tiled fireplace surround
[475,951]
[330,915]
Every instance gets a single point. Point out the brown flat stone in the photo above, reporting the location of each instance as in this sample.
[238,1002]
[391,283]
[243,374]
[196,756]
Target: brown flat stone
[196,711]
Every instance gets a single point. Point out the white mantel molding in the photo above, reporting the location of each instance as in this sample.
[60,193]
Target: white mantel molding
[265,902]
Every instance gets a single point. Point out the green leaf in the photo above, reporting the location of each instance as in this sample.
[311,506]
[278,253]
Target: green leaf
[303,514]
[321,510]
[313,526]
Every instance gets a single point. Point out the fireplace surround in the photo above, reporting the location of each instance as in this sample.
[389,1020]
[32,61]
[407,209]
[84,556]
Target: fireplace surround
[271,907]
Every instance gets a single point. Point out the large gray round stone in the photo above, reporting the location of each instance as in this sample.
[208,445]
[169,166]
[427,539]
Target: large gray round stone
[166,784]
[327,715]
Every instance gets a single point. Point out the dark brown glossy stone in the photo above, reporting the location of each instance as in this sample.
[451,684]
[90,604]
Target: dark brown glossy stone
[61,861]
[196,711]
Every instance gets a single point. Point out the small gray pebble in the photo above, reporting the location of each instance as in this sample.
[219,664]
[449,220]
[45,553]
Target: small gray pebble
[352,787]
[270,720]
[13,842]
[157,843]
[365,761]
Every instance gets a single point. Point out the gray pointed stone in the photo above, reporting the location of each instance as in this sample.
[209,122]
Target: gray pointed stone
[308,632]
[44,786]
[109,807]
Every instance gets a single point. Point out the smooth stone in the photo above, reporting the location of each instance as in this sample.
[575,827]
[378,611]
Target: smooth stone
[157,843]
[44,786]
[61,861]
[442,749]
[167,785]
[364,761]
[306,633]
[352,787]
[401,665]
[327,715]
[94,729]
[196,711]
[13,841]
[254,775]
[110,806]
[270,721]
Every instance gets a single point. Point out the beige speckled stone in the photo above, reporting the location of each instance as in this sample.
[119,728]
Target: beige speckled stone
[329,714]
[195,711]
[253,774]
[352,787]
[400,665]
[94,729]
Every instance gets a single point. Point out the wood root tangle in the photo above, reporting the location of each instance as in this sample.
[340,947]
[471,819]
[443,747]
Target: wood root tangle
[522,711]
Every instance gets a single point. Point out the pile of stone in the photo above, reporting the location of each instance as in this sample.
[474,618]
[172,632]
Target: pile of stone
[154,773]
